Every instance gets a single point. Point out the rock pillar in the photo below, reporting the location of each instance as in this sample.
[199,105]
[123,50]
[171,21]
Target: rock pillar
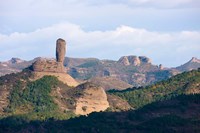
[60,50]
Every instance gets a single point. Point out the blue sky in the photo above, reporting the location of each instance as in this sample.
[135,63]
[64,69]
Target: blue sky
[167,31]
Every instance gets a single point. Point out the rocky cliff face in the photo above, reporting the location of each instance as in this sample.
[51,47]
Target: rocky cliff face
[93,99]
[129,60]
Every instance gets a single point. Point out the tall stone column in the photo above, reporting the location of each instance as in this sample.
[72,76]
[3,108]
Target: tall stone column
[60,50]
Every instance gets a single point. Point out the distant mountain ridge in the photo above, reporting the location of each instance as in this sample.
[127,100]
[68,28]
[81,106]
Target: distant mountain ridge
[194,63]
[134,70]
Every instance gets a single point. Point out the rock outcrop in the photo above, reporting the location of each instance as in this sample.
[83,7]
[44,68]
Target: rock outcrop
[133,60]
[60,50]
[63,77]
[129,60]
[52,65]
[124,61]
[48,65]
[93,99]
[145,59]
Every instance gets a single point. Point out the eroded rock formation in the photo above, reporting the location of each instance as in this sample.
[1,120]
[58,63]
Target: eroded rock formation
[93,99]
[133,60]
[42,66]
[60,50]
[52,65]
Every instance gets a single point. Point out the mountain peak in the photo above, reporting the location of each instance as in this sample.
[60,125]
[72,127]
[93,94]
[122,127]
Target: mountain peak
[15,60]
[195,60]
[194,63]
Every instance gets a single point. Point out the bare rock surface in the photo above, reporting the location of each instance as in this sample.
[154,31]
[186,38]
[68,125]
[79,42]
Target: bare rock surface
[48,65]
[93,99]
[124,61]
[51,65]
[134,60]
[60,50]
[64,77]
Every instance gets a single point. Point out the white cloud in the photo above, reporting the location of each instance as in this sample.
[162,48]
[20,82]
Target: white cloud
[170,49]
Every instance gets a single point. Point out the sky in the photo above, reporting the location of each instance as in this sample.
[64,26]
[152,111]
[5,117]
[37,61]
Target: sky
[167,31]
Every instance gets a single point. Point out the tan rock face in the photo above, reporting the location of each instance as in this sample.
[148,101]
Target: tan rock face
[65,78]
[130,60]
[134,60]
[47,65]
[93,99]
[60,50]
[124,61]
